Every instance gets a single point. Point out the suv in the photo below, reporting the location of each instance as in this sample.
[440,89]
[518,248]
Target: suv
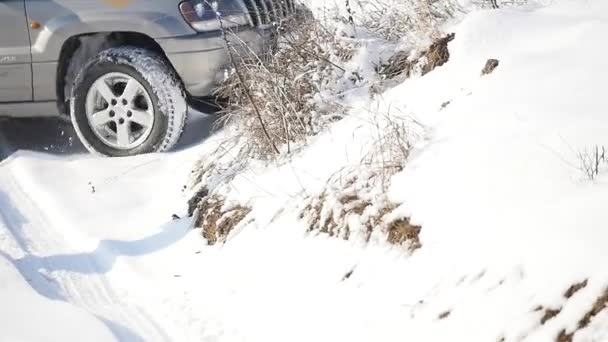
[123,71]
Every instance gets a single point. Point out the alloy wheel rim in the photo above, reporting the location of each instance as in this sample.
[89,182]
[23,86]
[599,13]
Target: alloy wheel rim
[119,111]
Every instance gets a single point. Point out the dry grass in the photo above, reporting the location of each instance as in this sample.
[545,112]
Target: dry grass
[437,54]
[322,222]
[404,63]
[354,202]
[396,20]
[394,137]
[401,231]
[336,209]
[491,64]
[215,222]
[277,99]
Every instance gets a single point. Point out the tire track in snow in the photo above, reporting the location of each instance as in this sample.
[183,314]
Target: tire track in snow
[87,289]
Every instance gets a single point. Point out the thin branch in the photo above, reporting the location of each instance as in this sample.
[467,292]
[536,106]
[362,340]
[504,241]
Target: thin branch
[242,82]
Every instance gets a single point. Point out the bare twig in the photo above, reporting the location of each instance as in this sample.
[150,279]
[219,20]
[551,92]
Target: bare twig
[246,90]
[591,161]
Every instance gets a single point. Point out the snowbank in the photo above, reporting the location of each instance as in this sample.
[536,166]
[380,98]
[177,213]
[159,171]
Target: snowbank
[509,221]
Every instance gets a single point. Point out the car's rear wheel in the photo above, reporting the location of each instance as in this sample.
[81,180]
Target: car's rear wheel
[128,101]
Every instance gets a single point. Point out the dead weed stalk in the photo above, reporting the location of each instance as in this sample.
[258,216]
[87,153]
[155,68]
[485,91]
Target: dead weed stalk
[279,97]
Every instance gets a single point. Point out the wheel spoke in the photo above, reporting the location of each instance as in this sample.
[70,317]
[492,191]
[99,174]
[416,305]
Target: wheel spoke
[104,90]
[142,118]
[123,135]
[131,90]
[100,118]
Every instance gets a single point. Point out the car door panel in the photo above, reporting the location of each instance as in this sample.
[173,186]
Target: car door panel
[15,56]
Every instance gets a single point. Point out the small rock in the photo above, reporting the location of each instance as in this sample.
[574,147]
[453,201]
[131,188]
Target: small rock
[491,64]
[348,274]
[444,314]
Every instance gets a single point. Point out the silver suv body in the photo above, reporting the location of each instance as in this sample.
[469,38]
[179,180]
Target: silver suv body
[136,48]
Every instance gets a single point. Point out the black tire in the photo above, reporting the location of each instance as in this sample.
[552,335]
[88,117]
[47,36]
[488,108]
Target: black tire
[160,82]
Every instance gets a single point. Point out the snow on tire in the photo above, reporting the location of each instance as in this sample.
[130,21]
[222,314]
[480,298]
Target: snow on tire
[128,101]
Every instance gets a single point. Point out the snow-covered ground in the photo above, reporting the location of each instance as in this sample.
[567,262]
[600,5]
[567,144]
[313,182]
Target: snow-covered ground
[89,249]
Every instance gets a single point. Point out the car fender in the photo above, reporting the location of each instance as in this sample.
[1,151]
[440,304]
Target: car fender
[63,19]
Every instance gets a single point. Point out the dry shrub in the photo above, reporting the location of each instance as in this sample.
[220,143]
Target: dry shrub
[592,161]
[207,202]
[406,63]
[412,21]
[215,221]
[354,203]
[394,138]
[277,99]
[290,93]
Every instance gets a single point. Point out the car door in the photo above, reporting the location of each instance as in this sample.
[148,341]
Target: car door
[15,56]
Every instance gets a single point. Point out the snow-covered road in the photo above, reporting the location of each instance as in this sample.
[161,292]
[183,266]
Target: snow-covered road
[69,227]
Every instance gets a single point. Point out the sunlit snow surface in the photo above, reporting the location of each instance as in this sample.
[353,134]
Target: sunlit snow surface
[509,222]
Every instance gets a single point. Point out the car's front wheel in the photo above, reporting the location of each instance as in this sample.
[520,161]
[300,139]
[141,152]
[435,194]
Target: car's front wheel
[128,101]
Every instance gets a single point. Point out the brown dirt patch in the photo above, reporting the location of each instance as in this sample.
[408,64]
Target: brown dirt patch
[549,314]
[574,288]
[598,306]
[444,314]
[564,337]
